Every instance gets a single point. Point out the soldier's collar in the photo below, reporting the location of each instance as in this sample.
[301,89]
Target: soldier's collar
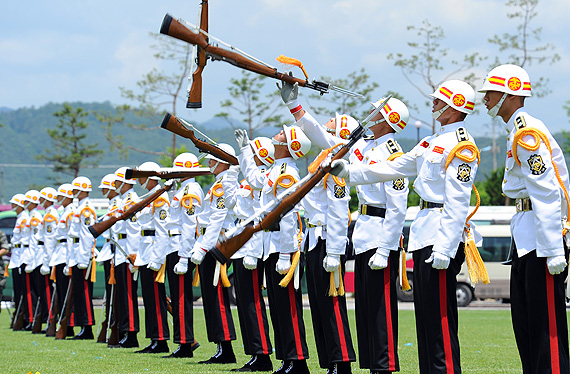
[510,125]
[128,192]
[451,127]
[384,138]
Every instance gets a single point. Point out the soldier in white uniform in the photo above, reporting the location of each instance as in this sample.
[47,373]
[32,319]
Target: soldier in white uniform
[48,196]
[59,257]
[217,217]
[32,256]
[128,237]
[536,176]
[255,158]
[285,303]
[444,185]
[185,206]
[107,253]
[18,275]
[84,253]
[152,257]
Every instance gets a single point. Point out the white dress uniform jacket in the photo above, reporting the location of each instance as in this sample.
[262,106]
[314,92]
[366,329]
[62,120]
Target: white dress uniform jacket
[84,217]
[32,256]
[185,208]
[242,211]
[105,253]
[130,228]
[60,253]
[440,227]
[18,240]
[541,227]
[51,220]
[154,217]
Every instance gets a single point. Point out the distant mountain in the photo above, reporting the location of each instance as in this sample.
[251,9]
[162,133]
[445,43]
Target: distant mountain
[5,109]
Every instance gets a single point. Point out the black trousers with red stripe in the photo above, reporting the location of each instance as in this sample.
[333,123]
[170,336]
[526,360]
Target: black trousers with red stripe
[19,289]
[217,312]
[329,314]
[61,284]
[181,299]
[154,299]
[376,309]
[538,310]
[45,291]
[252,312]
[82,297]
[435,304]
[286,310]
[127,299]
[30,295]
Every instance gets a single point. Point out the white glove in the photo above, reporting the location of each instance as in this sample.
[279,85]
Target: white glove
[331,263]
[44,270]
[182,266]
[241,137]
[82,266]
[556,264]
[340,168]
[66,271]
[284,263]
[233,172]
[28,269]
[378,261]
[290,94]
[249,262]
[439,260]
[154,266]
[198,255]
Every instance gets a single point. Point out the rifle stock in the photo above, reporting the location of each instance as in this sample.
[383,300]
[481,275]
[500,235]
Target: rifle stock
[102,337]
[133,173]
[37,324]
[100,227]
[65,312]
[113,340]
[18,320]
[172,124]
[195,94]
[53,319]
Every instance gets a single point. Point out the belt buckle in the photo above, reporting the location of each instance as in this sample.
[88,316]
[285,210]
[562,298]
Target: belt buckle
[519,205]
[364,209]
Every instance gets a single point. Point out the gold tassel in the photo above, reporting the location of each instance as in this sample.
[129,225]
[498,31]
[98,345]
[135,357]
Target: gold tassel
[475,265]
[224,276]
[404,273]
[292,61]
[6,272]
[340,284]
[160,274]
[112,279]
[52,276]
[196,279]
[93,271]
[294,262]
[320,158]
[332,289]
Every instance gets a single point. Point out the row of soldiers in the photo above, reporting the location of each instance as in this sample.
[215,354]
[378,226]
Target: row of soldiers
[174,236]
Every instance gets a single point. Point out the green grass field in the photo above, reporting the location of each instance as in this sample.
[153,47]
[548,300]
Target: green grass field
[487,346]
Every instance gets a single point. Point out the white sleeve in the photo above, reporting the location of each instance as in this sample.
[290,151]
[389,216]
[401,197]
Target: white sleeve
[383,171]
[396,206]
[316,133]
[254,177]
[337,217]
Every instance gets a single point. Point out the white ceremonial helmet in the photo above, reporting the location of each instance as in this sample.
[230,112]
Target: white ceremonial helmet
[264,150]
[395,112]
[185,160]
[108,181]
[120,176]
[150,166]
[344,125]
[32,196]
[508,78]
[49,193]
[297,142]
[18,199]
[81,184]
[65,190]
[457,95]
[224,147]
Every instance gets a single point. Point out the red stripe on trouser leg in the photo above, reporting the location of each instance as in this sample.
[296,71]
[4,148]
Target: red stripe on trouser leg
[553,331]
[130,302]
[389,330]
[181,311]
[444,321]
[29,297]
[295,320]
[258,312]
[158,311]
[87,299]
[223,314]
[340,328]
[48,297]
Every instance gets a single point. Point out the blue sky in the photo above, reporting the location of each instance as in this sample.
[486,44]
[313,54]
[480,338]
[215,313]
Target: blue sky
[61,50]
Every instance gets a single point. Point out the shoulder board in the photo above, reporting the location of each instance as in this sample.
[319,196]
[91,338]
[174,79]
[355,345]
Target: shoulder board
[283,168]
[392,146]
[520,122]
[368,137]
[461,134]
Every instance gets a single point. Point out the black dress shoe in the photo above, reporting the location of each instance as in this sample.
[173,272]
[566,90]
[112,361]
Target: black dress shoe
[284,366]
[159,346]
[297,367]
[146,349]
[70,332]
[224,355]
[183,351]
[257,363]
[340,368]
[129,341]
[195,345]
[86,333]
[28,327]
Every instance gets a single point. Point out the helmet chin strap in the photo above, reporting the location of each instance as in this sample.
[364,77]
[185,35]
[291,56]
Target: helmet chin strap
[495,109]
[276,142]
[438,113]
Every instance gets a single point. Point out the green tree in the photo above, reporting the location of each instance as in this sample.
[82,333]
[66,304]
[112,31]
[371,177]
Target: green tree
[254,108]
[69,152]
[493,187]
[423,69]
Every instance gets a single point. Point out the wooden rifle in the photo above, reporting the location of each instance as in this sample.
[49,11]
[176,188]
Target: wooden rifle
[37,323]
[225,248]
[100,227]
[173,124]
[167,174]
[53,313]
[198,36]
[65,313]
[102,336]
[18,318]
[113,336]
